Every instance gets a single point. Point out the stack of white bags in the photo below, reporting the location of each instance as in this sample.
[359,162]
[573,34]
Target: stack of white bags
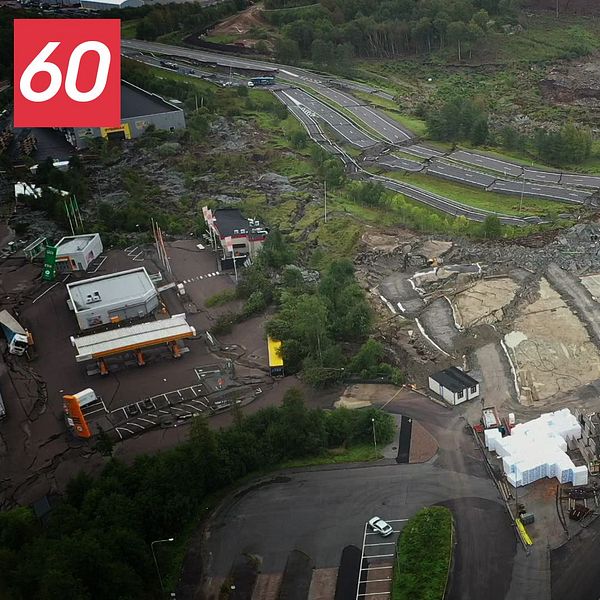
[539,449]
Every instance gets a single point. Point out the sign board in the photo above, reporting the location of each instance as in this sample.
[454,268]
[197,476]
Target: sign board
[49,271]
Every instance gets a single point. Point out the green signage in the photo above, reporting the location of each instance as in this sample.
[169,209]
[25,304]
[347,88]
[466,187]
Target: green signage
[49,271]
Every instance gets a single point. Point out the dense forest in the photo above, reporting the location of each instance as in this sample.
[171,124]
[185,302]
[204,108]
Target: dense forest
[96,543]
[387,28]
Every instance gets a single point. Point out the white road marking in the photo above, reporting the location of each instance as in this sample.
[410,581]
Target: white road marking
[46,291]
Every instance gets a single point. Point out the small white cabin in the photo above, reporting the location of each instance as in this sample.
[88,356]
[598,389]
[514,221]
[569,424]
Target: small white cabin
[454,385]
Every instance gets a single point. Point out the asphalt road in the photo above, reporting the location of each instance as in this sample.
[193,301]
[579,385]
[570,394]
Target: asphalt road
[338,122]
[320,512]
[393,133]
[575,572]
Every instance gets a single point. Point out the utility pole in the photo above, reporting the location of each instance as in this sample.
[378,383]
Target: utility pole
[234,266]
[374,436]
[522,192]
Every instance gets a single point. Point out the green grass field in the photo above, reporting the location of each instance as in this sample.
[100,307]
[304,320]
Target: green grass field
[128,28]
[481,199]
[360,453]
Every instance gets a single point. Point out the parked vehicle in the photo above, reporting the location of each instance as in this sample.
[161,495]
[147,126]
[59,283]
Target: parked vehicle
[17,337]
[257,81]
[378,525]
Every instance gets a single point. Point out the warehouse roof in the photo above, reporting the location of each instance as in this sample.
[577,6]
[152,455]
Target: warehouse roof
[454,379]
[113,288]
[136,102]
[74,243]
[138,336]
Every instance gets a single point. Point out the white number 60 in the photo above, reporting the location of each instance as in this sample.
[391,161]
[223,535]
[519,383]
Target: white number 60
[40,65]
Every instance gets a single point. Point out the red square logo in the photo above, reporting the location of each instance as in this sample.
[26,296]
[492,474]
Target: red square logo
[67,73]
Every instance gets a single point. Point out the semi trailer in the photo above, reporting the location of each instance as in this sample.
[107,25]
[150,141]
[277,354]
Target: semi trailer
[17,337]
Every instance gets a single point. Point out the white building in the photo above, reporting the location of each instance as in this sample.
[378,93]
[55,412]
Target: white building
[112,298]
[454,385]
[538,449]
[76,252]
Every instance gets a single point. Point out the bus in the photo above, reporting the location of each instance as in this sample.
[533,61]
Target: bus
[256,81]
[275,358]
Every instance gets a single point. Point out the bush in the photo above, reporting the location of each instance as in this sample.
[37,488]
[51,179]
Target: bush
[423,555]
[220,298]
[224,324]
[256,303]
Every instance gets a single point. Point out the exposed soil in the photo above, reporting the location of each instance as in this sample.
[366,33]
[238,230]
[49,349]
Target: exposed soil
[484,301]
[574,83]
[552,348]
[242,23]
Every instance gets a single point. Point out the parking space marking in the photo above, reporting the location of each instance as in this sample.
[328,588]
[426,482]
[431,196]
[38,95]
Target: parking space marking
[365,584]
[99,264]
[147,420]
[382,544]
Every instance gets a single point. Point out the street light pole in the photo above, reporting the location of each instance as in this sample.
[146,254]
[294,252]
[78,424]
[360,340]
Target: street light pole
[374,436]
[522,192]
[156,561]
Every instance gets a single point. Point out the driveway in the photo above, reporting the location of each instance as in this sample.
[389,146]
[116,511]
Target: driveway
[322,511]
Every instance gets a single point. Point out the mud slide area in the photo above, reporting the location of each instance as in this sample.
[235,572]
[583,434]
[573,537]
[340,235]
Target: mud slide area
[483,303]
[551,348]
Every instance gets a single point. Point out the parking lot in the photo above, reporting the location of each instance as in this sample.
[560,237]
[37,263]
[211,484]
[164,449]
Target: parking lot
[377,561]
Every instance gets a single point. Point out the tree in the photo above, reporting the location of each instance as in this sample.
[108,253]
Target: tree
[275,251]
[287,51]
[479,132]
[104,443]
[492,227]
[322,52]
[457,33]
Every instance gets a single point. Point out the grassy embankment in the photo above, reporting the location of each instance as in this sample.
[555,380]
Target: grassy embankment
[424,556]
[478,198]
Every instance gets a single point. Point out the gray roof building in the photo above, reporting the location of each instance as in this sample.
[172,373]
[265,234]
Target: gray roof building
[139,110]
[112,298]
[454,379]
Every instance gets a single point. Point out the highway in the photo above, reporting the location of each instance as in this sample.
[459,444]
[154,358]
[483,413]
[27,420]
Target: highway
[338,122]
[307,116]
[465,167]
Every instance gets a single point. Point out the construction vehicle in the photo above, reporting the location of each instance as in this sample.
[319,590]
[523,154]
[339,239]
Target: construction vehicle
[419,260]
[18,338]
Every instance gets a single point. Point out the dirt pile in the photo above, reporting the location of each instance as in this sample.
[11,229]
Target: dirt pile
[574,83]
[576,250]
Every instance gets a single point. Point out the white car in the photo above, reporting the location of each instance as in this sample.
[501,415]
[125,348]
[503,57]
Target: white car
[380,526]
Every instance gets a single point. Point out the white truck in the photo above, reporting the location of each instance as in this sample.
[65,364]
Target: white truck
[17,337]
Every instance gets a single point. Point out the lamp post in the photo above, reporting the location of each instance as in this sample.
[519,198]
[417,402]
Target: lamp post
[374,436]
[522,193]
[156,561]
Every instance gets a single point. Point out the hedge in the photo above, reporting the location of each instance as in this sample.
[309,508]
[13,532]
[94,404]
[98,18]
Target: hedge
[423,556]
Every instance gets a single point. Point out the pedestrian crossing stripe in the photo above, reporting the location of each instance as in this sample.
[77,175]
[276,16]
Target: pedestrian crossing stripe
[199,277]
